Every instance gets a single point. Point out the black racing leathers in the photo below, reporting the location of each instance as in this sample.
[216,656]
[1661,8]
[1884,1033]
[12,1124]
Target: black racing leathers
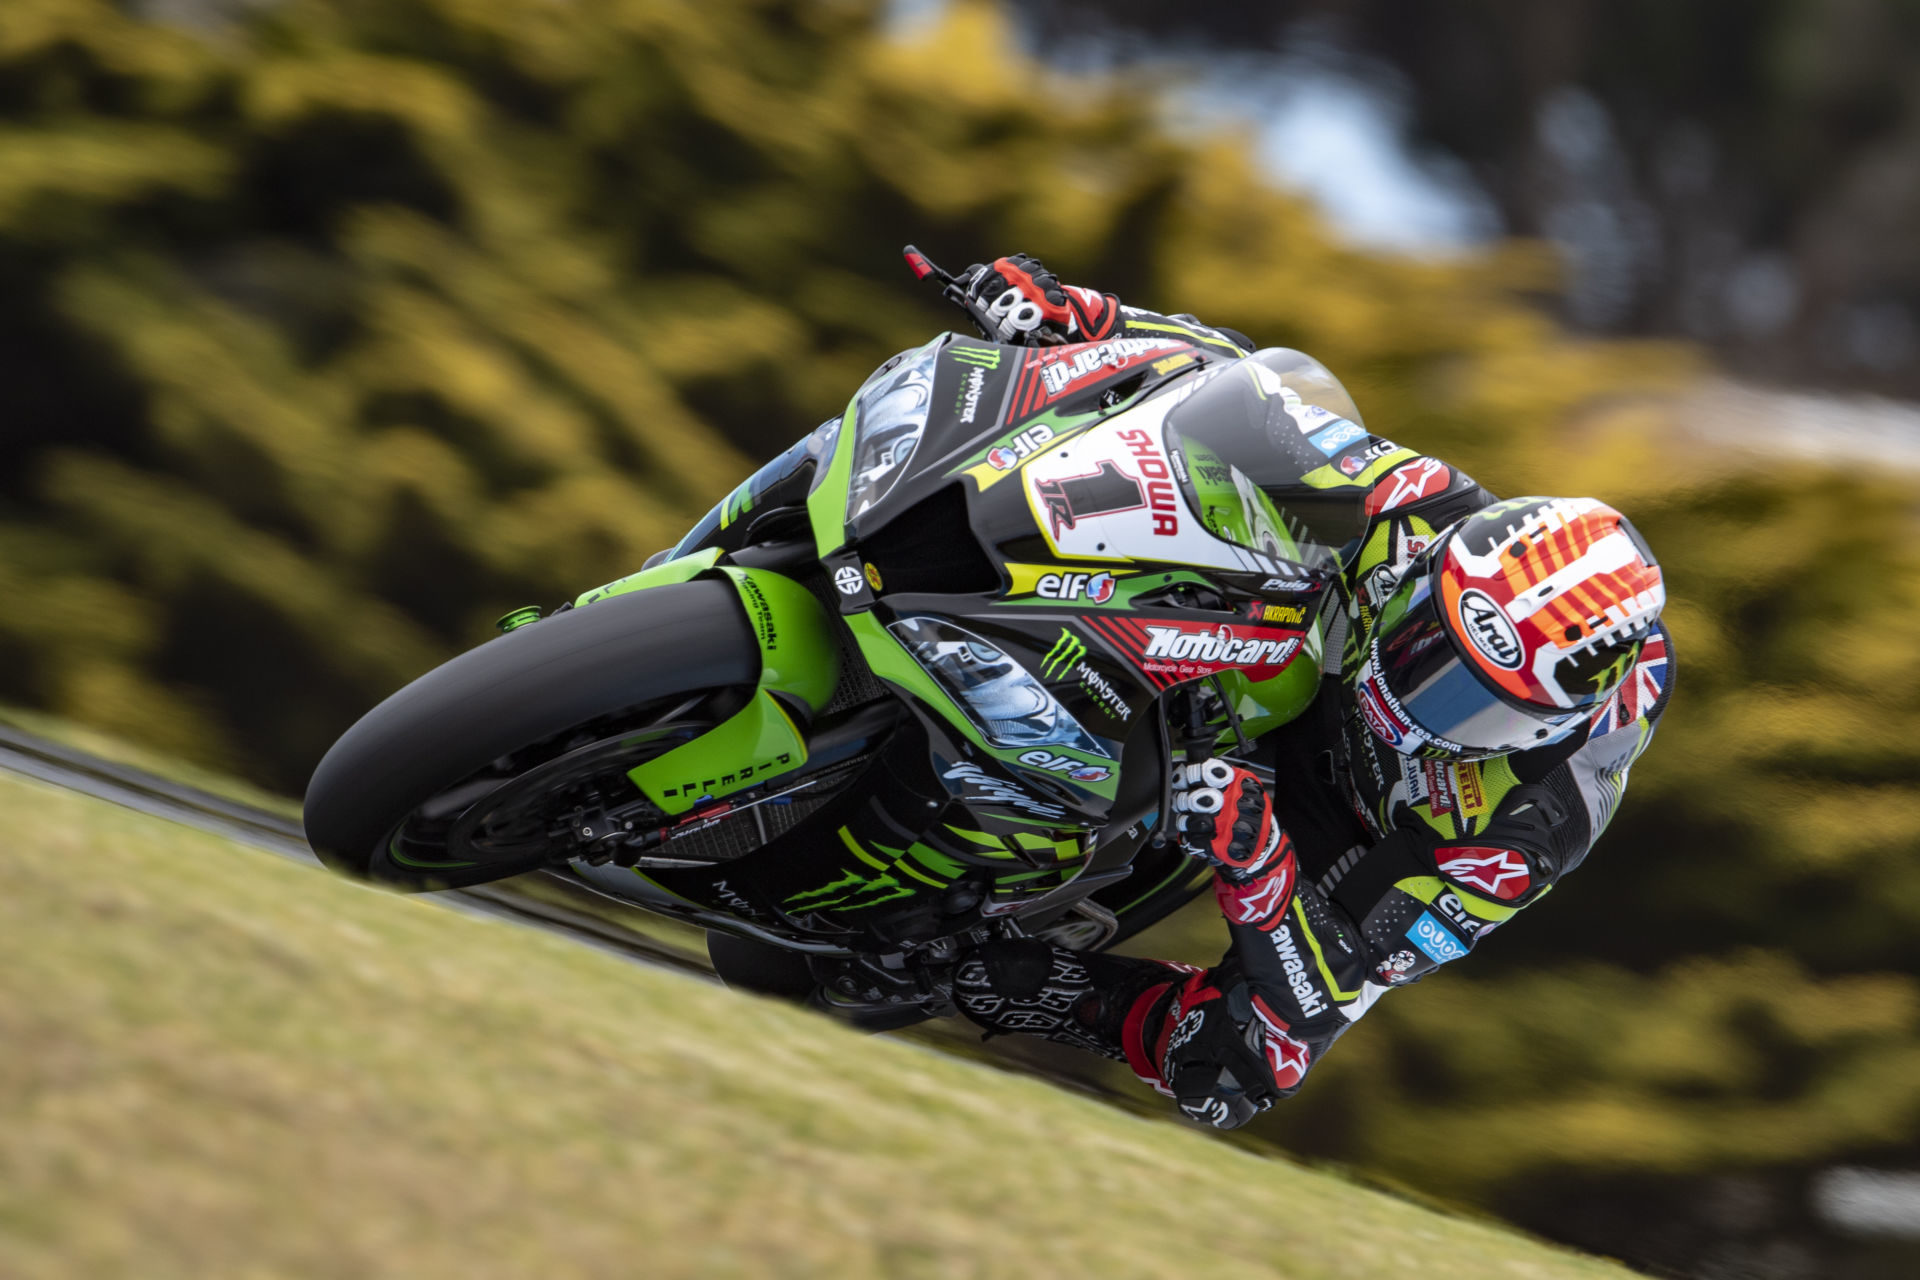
[1399,864]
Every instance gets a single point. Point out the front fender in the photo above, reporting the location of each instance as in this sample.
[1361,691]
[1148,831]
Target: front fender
[799,669]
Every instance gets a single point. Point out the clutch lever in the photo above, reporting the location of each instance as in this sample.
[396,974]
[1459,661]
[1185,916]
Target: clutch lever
[953,289]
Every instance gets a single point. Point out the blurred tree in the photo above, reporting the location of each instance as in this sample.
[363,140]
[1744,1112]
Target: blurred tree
[1745,172]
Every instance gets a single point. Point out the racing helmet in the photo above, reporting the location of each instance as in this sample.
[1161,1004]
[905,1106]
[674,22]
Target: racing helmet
[1510,631]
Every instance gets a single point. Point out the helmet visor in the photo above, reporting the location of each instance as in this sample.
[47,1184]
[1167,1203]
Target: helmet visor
[1415,685]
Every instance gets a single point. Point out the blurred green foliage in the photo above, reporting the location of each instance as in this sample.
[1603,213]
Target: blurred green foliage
[325,340]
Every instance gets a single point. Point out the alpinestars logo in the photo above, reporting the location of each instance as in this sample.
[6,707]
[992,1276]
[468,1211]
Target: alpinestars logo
[1499,873]
[1098,493]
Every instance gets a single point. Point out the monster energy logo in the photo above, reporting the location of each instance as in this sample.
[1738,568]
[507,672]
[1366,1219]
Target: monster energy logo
[850,892]
[980,357]
[1066,651]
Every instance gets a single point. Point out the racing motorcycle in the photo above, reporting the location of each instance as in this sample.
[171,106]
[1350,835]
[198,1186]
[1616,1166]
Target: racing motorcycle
[918,681]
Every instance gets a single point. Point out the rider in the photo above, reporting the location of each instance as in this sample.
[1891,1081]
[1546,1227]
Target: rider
[1501,665]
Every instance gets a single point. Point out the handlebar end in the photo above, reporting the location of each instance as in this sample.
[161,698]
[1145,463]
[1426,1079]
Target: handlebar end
[921,265]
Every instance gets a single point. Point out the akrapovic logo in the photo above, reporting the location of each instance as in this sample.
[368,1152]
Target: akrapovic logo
[1220,645]
[1311,1002]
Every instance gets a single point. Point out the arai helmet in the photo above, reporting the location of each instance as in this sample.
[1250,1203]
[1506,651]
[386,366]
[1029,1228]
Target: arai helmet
[1510,631]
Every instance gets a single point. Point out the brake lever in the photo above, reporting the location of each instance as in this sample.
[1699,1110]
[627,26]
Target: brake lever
[953,289]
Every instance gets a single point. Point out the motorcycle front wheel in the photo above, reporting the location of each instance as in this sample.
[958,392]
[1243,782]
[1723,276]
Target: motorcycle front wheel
[466,775]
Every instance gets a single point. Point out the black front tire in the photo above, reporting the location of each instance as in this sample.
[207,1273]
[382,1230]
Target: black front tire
[526,687]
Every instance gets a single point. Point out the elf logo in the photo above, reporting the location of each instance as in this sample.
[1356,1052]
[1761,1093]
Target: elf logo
[1078,770]
[1009,455]
[1096,587]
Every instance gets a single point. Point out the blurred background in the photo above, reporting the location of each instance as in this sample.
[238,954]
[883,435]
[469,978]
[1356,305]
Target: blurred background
[331,329]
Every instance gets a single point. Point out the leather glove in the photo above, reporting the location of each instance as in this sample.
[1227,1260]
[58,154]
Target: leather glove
[1222,815]
[1212,1064]
[1024,303]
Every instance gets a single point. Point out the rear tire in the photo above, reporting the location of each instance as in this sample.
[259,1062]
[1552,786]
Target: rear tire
[533,684]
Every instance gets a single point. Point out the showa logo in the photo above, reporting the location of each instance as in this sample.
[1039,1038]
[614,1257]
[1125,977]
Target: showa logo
[1077,770]
[1152,465]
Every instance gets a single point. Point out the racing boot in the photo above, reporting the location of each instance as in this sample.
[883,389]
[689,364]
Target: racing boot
[1030,987]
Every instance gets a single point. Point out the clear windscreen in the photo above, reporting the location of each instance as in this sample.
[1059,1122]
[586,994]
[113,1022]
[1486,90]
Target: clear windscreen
[1260,446]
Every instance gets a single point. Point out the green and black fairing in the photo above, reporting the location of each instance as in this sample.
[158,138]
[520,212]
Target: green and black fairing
[1034,752]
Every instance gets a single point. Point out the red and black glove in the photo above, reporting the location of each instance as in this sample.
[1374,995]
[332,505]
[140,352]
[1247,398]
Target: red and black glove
[1025,303]
[1223,815]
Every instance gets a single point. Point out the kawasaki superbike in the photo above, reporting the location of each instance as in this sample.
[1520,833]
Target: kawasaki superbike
[918,680]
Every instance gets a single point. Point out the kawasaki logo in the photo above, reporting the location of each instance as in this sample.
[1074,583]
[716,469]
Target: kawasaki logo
[1311,1001]
[1218,646]
[1066,651]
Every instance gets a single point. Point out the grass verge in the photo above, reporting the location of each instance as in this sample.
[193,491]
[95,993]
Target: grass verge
[219,1063]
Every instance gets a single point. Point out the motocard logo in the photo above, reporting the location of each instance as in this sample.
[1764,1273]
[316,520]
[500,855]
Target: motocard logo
[970,396]
[1077,770]
[1498,873]
[1117,354]
[1219,647]
[1153,469]
[1170,652]
[1489,629]
[1096,588]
